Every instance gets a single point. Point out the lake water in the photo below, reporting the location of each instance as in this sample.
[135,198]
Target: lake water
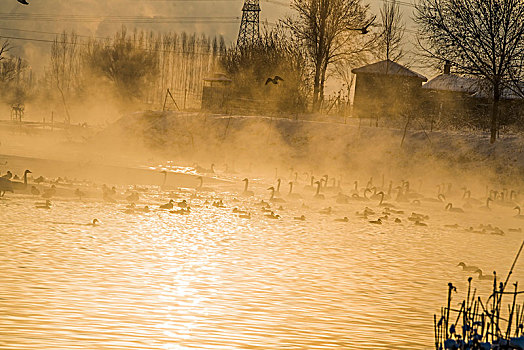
[212,280]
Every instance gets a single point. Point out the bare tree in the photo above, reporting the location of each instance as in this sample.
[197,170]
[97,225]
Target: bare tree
[480,38]
[324,27]
[392,33]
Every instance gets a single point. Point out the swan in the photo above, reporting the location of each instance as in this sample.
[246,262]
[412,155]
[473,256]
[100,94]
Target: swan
[345,219]
[168,205]
[21,185]
[274,199]
[277,190]
[484,277]
[133,197]
[318,195]
[440,198]
[449,207]
[487,207]
[79,193]
[301,218]
[468,267]
[200,186]
[204,170]
[342,198]
[382,203]
[291,194]
[247,193]
[5,186]
[311,185]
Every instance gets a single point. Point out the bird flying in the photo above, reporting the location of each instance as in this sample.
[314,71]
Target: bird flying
[24,2]
[273,80]
[365,28]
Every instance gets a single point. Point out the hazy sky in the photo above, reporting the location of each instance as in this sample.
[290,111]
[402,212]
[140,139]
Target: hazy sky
[42,18]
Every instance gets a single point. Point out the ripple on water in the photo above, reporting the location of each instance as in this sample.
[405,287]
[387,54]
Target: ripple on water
[210,280]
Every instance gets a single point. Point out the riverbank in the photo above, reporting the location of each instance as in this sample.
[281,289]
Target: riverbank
[344,150]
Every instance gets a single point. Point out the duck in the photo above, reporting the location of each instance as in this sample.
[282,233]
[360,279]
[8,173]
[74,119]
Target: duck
[272,215]
[46,205]
[420,223]
[168,205]
[449,207]
[484,277]
[246,192]
[35,191]
[468,267]
[245,215]
[93,223]
[182,204]
[376,222]
[344,219]
[519,215]
[274,199]
[326,211]
[145,209]
[8,175]
[49,192]
[398,221]
[238,211]
[301,218]
[182,211]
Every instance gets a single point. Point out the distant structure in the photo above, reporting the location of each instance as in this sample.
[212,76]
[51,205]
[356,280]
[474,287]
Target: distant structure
[249,33]
[386,89]
[467,101]
[216,93]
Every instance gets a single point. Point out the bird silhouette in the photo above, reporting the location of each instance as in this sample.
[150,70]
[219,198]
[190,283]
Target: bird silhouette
[273,80]
[24,2]
[365,28]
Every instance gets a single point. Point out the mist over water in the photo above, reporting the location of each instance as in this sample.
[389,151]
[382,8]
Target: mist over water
[212,279]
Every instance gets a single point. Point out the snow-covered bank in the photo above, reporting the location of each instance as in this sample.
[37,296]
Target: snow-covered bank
[340,149]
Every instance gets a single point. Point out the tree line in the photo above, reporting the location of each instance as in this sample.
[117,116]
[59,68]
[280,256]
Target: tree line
[320,40]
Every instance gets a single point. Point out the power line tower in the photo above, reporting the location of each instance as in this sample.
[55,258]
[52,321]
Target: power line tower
[249,29]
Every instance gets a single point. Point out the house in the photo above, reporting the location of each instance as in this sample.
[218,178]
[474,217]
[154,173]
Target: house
[215,92]
[466,101]
[386,89]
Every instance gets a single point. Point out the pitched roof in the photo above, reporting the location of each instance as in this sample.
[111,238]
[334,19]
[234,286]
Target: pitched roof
[472,86]
[388,67]
[454,83]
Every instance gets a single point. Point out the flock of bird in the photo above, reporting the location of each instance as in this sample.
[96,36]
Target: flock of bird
[385,203]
